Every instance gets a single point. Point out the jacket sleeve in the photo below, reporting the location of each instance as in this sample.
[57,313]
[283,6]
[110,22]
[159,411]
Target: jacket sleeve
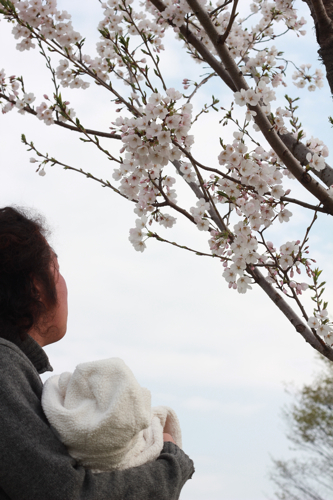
[35,465]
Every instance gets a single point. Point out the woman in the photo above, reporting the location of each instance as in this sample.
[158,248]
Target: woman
[34,464]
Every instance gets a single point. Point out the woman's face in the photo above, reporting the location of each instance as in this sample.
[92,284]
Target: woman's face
[59,317]
[54,326]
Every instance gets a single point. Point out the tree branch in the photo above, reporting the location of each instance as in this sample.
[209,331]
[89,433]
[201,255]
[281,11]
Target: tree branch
[303,204]
[54,161]
[219,7]
[159,238]
[231,22]
[205,80]
[28,109]
[299,326]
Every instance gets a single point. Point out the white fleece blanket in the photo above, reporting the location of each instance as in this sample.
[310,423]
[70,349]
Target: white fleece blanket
[104,416]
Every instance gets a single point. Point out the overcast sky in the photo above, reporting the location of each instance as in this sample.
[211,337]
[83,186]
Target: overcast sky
[220,359]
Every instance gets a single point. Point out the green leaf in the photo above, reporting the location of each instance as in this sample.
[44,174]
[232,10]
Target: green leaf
[221,193]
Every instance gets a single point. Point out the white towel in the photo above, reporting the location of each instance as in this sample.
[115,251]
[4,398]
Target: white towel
[105,418]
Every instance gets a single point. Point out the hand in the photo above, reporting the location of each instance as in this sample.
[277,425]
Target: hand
[168,437]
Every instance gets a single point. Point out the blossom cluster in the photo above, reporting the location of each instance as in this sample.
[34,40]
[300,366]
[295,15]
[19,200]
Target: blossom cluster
[302,78]
[315,161]
[262,93]
[264,65]
[279,10]
[69,78]
[45,112]
[150,141]
[14,86]
[320,323]
[43,16]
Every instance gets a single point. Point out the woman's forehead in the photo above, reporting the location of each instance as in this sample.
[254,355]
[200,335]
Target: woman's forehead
[53,252]
[55,258]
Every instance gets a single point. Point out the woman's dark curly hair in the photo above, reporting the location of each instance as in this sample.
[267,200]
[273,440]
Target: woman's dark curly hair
[25,259]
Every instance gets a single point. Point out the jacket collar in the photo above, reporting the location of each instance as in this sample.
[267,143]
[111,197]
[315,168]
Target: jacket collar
[35,354]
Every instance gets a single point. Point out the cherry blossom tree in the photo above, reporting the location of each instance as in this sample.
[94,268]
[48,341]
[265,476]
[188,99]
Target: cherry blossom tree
[245,194]
[309,417]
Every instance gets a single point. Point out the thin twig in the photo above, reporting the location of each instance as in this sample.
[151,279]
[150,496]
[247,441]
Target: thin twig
[30,110]
[54,161]
[303,204]
[219,7]
[170,203]
[159,238]
[209,169]
[231,22]
[205,80]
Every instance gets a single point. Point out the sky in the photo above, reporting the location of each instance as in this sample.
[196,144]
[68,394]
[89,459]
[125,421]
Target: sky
[219,358]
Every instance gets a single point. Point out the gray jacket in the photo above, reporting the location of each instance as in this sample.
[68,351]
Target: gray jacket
[35,465]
